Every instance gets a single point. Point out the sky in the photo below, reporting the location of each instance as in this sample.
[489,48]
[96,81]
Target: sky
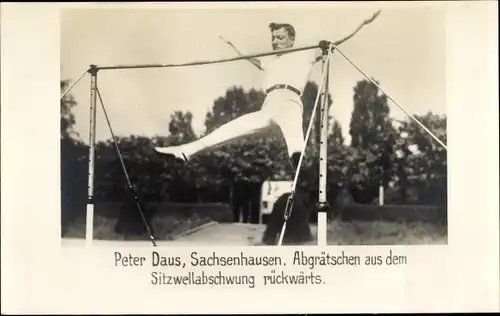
[404,49]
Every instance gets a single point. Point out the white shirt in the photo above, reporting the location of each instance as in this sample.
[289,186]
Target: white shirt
[290,68]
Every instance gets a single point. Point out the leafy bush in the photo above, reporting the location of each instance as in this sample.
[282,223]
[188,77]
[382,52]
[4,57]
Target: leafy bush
[404,159]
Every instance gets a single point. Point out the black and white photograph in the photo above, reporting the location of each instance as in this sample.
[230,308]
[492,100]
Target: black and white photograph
[254,126]
[161,153]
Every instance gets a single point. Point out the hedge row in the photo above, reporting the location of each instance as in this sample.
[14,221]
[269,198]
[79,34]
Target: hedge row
[222,212]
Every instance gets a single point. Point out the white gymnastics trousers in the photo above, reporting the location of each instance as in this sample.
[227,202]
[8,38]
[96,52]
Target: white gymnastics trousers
[282,108]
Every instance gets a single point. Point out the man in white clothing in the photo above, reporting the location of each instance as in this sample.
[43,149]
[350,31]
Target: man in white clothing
[285,76]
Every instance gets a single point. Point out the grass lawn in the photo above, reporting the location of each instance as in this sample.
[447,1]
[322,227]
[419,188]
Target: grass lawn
[339,233]
[165,227]
[385,233]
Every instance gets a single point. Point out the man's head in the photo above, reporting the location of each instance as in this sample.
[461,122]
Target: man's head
[282,35]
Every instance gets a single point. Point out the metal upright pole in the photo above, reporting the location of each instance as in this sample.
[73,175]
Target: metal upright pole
[89,231]
[323,206]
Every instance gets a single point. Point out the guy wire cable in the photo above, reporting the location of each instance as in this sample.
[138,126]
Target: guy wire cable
[74,84]
[126,173]
[399,106]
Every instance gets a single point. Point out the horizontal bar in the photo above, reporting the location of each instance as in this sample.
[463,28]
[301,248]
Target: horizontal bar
[196,63]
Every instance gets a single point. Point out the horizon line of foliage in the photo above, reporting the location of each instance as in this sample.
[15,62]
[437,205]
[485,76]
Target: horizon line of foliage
[379,154]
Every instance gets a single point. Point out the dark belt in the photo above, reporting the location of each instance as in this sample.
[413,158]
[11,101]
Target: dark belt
[283,86]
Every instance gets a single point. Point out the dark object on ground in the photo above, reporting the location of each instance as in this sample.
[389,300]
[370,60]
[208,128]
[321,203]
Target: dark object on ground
[362,190]
[130,222]
[246,201]
[297,229]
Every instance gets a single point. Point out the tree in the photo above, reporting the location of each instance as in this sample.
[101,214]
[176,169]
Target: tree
[233,104]
[247,159]
[335,137]
[181,128]
[67,117]
[422,162]
[372,139]
[309,97]
[150,173]
[370,122]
